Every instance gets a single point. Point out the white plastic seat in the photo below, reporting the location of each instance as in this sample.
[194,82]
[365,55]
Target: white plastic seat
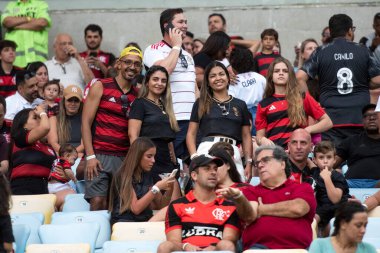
[138,231]
[59,248]
[362,193]
[33,220]
[21,234]
[130,246]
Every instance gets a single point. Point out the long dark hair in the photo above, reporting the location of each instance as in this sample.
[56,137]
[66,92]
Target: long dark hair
[223,154]
[216,45]
[129,171]
[19,121]
[345,213]
[5,195]
[206,93]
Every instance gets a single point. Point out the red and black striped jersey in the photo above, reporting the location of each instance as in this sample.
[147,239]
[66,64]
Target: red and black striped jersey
[272,115]
[110,127]
[8,82]
[201,224]
[262,62]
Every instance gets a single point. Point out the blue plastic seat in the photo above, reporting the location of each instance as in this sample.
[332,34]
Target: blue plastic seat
[21,234]
[255,181]
[100,217]
[33,220]
[70,233]
[362,193]
[75,203]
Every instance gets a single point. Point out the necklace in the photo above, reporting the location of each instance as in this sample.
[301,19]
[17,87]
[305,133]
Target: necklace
[223,105]
[159,104]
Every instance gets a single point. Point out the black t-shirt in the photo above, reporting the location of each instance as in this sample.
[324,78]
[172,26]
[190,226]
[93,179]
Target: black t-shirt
[155,123]
[343,69]
[4,147]
[6,234]
[363,156]
[320,188]
[215,123]
[201,60]
[75,133]
[140,188]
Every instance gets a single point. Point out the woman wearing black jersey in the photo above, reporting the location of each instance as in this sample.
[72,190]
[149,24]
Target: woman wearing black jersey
[220,117]
[152,116]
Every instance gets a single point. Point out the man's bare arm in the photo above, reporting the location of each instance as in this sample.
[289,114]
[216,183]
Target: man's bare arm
[295,208]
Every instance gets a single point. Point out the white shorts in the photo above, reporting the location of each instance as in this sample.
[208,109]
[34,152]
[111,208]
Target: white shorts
[205,146]
[57,187]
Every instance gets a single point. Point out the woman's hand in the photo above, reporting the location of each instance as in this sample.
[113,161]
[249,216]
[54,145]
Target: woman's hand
[40,109]
[93,166]
[264,141]
[166,183]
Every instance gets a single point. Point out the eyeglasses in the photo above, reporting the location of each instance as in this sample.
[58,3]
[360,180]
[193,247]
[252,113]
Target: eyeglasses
[183,60]
[370,115]
[263,160]
[353,28]
[129,63]
[29,75]
[125,105]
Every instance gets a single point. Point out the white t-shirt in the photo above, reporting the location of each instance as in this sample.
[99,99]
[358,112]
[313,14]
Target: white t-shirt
[182,80]
[16,103]
[250,88]
[68,73]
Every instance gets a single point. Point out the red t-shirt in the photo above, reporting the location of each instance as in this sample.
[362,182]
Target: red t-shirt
[279,232]
[65,166]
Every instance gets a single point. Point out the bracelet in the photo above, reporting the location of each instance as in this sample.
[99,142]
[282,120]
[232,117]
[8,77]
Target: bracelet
[366,207]
[194,155]
[89,157]
[43,113]
[249,160]
[155,189]
[238,196]
[176,48]
[184,246]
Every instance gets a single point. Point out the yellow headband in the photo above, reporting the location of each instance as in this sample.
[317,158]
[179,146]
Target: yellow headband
[131,51]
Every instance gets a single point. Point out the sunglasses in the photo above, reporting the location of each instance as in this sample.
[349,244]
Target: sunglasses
[183,60]
[125,105]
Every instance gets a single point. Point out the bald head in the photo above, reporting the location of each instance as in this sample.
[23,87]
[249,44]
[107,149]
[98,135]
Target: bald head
[299,145]
[61,43]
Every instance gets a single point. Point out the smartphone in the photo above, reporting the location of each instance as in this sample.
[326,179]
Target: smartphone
[174,172]
[93,54]
[169,26]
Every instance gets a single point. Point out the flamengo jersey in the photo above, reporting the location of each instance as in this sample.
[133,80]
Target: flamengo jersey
[343,69]
[182,80]
[272,115]
[262,62]
[104,57]
[110,127]
[8,82]
[201,224]
[250,88]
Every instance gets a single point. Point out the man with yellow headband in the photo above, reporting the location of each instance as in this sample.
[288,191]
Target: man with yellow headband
[105,126]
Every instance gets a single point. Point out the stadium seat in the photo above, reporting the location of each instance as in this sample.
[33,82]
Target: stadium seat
[255,181]
[362,193]
[276,251]
[374,212]
[75,203]
[59,248]
[138,231]
[33,220]
[100,217]
[219,251]
[21,234]
[130,246]
[374,241]
[70,233]
[44,203]
[80,186]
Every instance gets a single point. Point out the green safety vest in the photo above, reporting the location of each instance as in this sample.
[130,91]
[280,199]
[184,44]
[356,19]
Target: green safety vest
[31,45]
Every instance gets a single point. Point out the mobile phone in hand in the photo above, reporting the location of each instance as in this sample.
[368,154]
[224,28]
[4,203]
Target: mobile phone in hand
[93,54]
[169,26]
[174,172]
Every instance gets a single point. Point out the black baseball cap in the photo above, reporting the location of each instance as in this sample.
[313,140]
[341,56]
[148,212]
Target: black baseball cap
[203,160]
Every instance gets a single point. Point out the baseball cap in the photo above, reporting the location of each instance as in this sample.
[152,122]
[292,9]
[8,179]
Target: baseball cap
[73,91]
[369,106]
[203,160]
[131,51]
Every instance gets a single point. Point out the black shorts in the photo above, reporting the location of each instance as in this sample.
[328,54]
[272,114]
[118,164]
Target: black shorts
[325,213]
[29,185]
